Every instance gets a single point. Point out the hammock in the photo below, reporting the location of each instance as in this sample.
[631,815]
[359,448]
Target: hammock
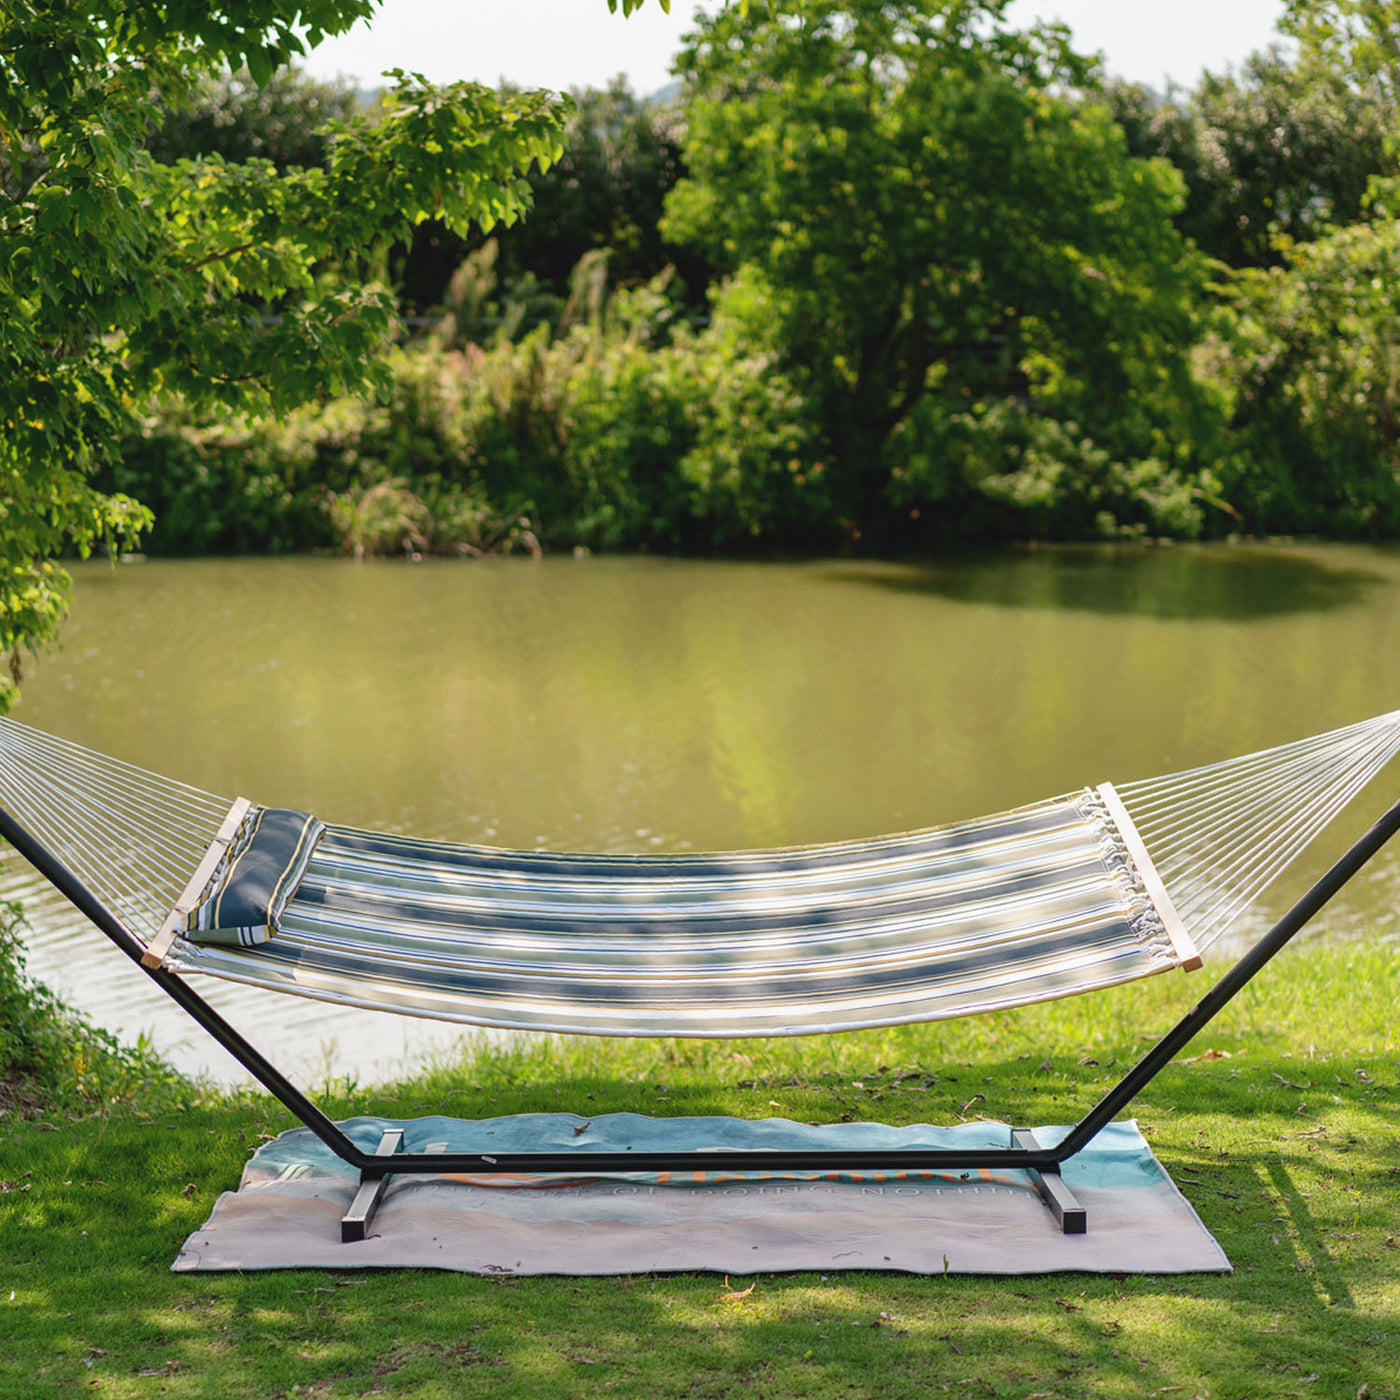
[1064,896]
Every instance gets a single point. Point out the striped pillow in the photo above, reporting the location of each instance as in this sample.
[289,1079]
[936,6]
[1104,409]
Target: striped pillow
[252,884]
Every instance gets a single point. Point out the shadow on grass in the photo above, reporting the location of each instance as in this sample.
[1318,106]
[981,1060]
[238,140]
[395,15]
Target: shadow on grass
[1316,1261]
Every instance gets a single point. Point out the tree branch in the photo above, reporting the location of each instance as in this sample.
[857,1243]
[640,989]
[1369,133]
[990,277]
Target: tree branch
[220,256]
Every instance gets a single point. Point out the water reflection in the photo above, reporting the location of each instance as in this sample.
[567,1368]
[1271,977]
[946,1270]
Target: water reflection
[1234,584]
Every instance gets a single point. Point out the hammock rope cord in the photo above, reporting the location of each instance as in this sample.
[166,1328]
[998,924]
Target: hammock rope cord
[1038,903]
[132,836]
[1220,834]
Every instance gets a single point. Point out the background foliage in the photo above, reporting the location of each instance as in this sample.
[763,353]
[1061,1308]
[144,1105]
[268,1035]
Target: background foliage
[871,277]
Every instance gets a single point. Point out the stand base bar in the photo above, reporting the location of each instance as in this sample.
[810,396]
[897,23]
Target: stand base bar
[355,1223]
[1069,1215]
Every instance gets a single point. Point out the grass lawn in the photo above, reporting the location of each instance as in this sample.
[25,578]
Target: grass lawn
[1281,1128]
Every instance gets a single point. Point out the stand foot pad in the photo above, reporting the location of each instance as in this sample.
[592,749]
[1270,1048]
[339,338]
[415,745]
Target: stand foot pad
[1069,1215]
[355,1223]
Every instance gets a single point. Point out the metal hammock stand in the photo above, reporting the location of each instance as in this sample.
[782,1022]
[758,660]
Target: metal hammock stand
[1041,1161]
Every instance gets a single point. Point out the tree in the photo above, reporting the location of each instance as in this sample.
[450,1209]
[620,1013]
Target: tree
[1358,39]
[122,277]
[1291,168]
[1313,364]
[1277,152]
[621,156]
[230,115]
[949,248]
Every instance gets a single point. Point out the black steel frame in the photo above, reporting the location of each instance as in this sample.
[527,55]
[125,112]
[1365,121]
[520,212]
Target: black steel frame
[1023,1153]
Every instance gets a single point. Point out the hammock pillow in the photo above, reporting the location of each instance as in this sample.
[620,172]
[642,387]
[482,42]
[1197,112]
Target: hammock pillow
[252,884]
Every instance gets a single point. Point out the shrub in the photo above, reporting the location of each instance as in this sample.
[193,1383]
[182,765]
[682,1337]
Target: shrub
[51,1057]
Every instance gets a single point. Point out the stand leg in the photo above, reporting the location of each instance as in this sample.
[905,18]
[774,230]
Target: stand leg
[1069,1215]
[354,1224]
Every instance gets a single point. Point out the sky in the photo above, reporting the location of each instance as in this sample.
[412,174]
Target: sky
[561,44]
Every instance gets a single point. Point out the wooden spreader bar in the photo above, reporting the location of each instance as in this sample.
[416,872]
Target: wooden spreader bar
[1182,942]
[169,931]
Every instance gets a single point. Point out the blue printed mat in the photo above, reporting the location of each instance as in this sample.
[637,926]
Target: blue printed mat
[286,1211]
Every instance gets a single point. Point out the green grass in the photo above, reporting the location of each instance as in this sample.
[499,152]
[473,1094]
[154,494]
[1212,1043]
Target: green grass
[1282,1129]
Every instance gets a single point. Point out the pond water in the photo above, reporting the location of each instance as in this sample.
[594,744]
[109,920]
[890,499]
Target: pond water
[661,705]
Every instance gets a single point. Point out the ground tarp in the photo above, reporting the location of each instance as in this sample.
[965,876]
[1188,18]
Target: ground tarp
[286,1211]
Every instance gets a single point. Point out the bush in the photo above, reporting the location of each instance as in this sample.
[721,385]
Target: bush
[753,470]
[51,1057]
[1001,471]
[233,487]
[608,426]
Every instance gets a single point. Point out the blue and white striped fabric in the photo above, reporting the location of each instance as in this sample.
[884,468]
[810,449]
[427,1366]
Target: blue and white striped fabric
[1033,904]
